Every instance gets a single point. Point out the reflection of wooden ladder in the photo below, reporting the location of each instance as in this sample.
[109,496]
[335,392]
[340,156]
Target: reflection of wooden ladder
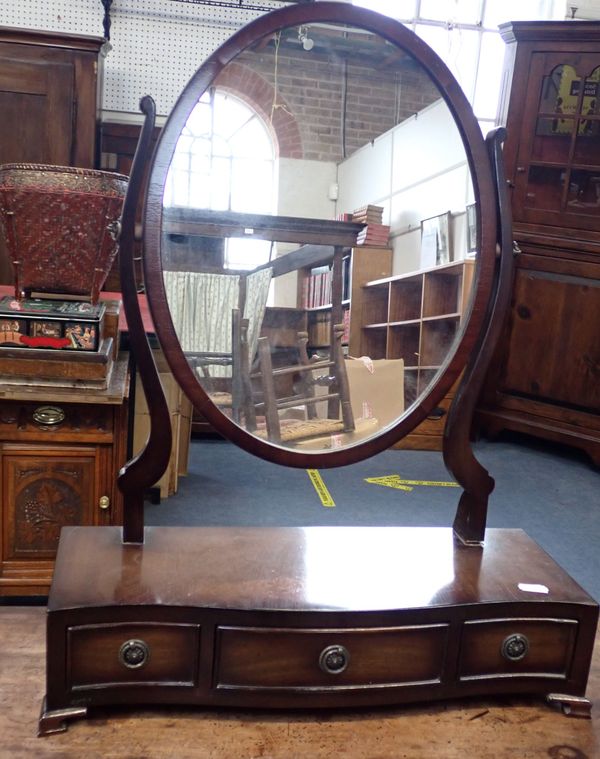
[330,373]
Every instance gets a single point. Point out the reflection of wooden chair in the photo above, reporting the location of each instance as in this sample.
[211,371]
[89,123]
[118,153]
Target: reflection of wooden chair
[218,317]
[308,375]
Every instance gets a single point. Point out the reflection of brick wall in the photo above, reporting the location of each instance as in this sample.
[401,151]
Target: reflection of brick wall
[258,92]
[307,119]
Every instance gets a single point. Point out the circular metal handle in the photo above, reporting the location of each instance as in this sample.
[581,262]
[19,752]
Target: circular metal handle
[104,502]
[133,654]
[48,415]
[515,647]
[334,659]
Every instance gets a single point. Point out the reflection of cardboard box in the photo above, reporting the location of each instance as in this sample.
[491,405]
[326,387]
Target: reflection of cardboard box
[376,396]
[376,389]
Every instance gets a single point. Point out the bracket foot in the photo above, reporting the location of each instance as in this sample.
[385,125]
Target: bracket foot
[55,720]
[572,706]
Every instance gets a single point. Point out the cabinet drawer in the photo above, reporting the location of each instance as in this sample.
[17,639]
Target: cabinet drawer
[133,654]
[510,647]
[326,658]
[57,422]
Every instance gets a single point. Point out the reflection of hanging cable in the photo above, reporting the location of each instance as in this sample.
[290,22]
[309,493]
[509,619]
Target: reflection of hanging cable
[344,105]
[277,105]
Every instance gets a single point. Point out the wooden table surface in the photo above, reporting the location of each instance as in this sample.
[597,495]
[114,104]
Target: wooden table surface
[481,729]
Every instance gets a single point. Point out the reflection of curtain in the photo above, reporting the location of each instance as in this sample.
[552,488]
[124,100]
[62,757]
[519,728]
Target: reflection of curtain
[257,292]
[201,306]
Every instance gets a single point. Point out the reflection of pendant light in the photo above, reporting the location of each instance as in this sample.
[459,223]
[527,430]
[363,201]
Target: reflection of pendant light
[306,41]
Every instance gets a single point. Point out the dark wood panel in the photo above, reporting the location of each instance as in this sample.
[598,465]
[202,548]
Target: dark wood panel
[39,97]
[554,344]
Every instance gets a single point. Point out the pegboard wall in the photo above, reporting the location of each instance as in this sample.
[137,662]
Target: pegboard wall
[156,44]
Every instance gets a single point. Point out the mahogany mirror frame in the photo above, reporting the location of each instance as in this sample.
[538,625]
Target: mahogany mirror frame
[485,197]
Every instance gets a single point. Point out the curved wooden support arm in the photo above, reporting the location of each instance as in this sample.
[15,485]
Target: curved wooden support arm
[141,472]
[471,515]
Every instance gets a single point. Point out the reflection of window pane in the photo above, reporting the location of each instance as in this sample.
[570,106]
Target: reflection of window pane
[220,184]
[230,115]
[197,194]
[200,164]
[394,8]
[246,254]
[252,141]
[489,75]
[461,11]
[458,48]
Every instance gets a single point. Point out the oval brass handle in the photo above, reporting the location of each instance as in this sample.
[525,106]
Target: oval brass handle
[515,647]
[48,415]
[104,502]
[134,653]
[437,413]
[334,659]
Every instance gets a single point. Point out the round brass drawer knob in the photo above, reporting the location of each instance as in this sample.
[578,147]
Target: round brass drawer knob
[334,659]
[48,415]
[133,654]
[515,647]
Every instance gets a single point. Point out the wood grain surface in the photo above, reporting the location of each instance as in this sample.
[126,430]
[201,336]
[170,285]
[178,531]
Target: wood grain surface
[516,728]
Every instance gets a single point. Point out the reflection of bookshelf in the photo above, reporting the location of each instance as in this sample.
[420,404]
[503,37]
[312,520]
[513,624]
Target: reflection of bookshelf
[416,317]
[359,265]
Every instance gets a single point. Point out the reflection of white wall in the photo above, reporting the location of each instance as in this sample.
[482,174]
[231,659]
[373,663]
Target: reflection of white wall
[415,171]
[304,188]
[366,176]
[303,191]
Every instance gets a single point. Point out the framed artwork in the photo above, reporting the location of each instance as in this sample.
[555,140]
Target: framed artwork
[471,229]
[435,241]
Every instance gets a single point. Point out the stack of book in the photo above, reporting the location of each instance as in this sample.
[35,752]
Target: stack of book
[317,288]
[374,235]
[368,215]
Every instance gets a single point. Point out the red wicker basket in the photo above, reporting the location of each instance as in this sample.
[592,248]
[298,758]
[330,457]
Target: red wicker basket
[61,226]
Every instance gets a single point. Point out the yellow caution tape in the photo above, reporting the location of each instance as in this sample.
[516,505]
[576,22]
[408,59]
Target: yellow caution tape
[321,488]
[395,481]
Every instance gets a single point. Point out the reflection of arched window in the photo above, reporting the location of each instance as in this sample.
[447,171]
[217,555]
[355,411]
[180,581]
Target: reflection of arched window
[225,161]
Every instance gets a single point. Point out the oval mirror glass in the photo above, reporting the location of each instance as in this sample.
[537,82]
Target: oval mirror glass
[318,235]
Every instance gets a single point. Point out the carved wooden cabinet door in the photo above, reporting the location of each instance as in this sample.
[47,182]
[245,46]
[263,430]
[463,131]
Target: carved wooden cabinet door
[47,489]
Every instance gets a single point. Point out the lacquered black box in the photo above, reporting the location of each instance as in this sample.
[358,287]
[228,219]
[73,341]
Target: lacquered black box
[49,323]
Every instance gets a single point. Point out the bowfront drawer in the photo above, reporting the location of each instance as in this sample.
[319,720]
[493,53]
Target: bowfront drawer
[315,658]
[512,647]
[137,653]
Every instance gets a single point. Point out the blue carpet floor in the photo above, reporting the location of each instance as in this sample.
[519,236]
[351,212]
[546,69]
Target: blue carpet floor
[552,493]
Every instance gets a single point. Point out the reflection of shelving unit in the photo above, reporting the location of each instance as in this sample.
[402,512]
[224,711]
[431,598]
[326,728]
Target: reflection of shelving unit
[416,317]
[359,265]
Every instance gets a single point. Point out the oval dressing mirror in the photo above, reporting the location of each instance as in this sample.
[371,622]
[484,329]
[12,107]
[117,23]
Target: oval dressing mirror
[316,234]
